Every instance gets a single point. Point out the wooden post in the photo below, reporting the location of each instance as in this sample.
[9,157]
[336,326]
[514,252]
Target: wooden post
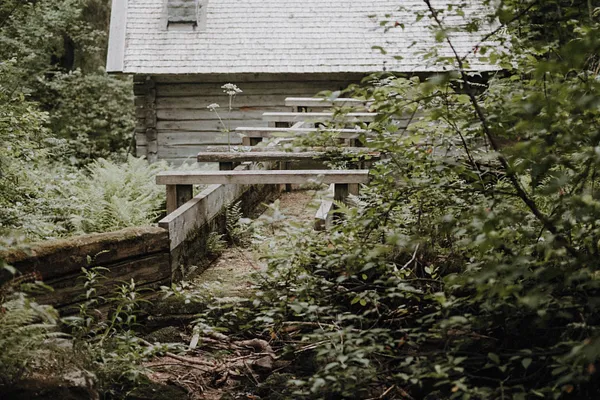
[340,191]
[251,141]
[285,165]
[177,195]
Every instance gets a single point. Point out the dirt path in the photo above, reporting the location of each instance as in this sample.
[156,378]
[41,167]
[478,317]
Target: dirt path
[219,363]
[234,267]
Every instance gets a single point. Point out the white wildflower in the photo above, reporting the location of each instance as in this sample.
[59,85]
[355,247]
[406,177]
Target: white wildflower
[230,89]
[213,107]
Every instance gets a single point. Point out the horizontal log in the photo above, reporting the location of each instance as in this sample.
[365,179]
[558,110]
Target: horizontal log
[317,117]
[184,138]
[269,156]
[297,89]
[55,258]
[236,114]
[261,177]
[323,102]
[202,102]
[213,126]
[147,271]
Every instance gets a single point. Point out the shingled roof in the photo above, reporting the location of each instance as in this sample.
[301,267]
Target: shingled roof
[282,36]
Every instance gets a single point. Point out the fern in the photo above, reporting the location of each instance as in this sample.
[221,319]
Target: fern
[118,196]
[24,326]
[215,244]
[238,230]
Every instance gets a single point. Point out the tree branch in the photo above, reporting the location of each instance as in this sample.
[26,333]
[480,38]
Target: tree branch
[521,193]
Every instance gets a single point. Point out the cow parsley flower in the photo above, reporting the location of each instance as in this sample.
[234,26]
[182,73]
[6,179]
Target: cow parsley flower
[230,89]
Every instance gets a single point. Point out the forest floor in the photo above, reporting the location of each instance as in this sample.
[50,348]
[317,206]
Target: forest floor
[218,363]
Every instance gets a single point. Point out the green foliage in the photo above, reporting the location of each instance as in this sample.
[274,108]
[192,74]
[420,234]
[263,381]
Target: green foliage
[24,326]
[94,111]
[53,52]
[237,227]
[116,196]
[113,350]
[469,268]
[55,200]
[215,244]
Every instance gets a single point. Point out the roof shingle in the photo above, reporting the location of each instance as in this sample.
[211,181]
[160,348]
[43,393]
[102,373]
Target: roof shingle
[293,36]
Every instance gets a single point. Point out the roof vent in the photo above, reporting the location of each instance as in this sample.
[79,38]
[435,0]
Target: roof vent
[184,14]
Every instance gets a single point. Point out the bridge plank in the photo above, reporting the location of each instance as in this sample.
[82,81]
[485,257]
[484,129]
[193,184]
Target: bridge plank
[262,177]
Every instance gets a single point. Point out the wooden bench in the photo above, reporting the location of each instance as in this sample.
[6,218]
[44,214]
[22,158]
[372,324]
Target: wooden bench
[354,117]
[319,102]
[253,136]
[228,160]
[180,183]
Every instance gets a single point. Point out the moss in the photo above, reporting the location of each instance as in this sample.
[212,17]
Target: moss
[168,334]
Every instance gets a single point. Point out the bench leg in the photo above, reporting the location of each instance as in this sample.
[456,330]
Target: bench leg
[177,195]
[226,166]
[287,165]
[340,191]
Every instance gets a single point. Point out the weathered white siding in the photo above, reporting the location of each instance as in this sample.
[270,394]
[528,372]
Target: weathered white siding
[174,122]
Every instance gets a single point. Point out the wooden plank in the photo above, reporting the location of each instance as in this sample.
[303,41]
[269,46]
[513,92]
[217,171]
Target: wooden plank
[55,258]
[340,191]
[200,210]
[289,89]
[245,149]
[262,177]
[317,117]
[250,129]
[116,39]
[202,102]
[174,139]
[258,156]
[270,132]
[236,114]
[213,125]
[323,102]
[178,195]
[147,271]
[324,215]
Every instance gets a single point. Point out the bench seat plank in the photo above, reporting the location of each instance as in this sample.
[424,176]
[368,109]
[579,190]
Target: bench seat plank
[272,156]
[290,132]
[262,177]
[318,117]
[322,102]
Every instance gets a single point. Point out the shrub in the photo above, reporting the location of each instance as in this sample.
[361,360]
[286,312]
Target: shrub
[116,196]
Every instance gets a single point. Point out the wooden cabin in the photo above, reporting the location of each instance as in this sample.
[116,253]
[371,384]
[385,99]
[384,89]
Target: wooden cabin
[181,53]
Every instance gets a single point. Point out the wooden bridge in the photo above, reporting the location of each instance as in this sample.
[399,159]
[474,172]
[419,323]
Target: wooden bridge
[259,162]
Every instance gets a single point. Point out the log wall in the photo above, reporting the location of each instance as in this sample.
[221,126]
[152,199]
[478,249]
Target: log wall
[174,123]
[139,253]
